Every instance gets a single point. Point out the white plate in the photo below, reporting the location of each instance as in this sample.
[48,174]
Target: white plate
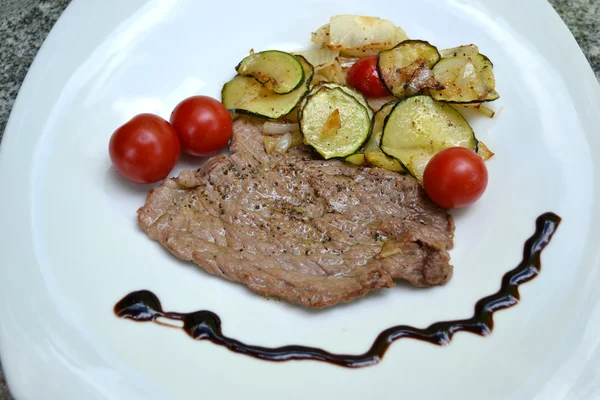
[70,247]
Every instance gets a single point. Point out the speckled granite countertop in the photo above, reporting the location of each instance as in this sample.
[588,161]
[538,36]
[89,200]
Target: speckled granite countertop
[24,25]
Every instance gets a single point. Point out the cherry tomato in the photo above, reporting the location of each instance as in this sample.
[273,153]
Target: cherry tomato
[455,177]
[145,149]
[203,125]
[364,76]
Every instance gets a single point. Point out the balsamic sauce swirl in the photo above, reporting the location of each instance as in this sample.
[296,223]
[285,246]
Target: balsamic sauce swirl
[145,306]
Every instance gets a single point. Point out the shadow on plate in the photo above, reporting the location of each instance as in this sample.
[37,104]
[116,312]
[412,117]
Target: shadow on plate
[118,183]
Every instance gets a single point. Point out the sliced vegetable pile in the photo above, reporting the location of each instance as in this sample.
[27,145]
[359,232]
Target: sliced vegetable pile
[367,94]
[372,96]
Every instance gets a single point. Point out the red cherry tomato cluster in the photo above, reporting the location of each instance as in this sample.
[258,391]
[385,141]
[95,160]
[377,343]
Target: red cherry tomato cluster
[146,148]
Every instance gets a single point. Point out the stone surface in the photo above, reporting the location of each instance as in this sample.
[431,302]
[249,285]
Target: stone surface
[583,19]
[23,28]
[24,25]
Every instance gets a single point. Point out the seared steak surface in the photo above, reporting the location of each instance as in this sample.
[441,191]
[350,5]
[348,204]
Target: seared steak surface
[310,231]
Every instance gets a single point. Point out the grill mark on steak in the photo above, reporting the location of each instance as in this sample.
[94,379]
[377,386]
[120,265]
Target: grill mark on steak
[306,230]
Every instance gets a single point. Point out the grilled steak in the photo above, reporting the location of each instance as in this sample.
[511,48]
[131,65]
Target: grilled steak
[310,231]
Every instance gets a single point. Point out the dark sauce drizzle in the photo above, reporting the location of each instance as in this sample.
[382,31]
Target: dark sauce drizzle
[144,305]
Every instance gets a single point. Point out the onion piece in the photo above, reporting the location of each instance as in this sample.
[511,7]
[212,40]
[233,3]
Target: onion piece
[377,102]
[277,144]
[279,128]
[460,51]
[390,248]
[321,36]
[358,36]
[282,143]
[319,58]
[333,73]
[484,152]
[479,107]
[422,79]
[347,62]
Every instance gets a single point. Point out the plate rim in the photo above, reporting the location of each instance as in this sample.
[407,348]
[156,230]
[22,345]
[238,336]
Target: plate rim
[44,57]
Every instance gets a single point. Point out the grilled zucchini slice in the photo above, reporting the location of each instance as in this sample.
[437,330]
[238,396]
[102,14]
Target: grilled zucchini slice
[419,127]
[406,69]
[373,154]
[466,79]
[309,70]
[245,95]
[347,89]
[280,70]
[334,122]
[356,159]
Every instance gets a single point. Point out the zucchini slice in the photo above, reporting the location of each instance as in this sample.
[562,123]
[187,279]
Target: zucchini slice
[466,79]
[309,70]
[334,123]
[347,89]
[281,70]
[379,159]
[356,159]
[406,69]
[373,154]
[246,95]
[419,127]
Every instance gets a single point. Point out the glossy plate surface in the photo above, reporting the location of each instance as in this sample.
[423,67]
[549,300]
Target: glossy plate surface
[70,247]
